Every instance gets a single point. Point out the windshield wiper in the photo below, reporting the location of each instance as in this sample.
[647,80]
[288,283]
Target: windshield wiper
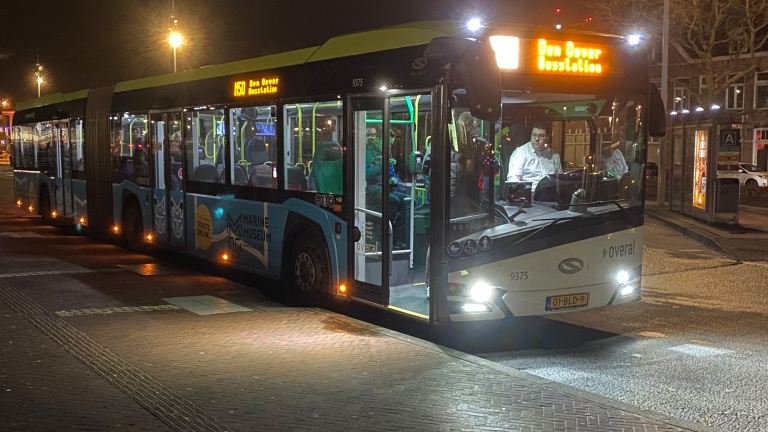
[553,221]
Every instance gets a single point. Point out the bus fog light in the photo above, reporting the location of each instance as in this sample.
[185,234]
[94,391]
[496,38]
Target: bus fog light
[627,290]
[622,277]
[475,307]
[480,291]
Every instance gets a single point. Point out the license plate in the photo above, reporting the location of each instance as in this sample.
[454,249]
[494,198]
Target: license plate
[567,301]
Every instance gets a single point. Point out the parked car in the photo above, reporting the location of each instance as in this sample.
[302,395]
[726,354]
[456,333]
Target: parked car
[750,176]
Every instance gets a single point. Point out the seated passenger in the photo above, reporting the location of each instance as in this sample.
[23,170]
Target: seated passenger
[613,161]
[399,201]
[534,159]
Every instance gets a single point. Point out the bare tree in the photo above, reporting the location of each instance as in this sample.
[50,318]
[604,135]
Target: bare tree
[707,30]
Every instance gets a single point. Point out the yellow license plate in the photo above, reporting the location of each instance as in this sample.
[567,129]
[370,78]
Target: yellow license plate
[567,301]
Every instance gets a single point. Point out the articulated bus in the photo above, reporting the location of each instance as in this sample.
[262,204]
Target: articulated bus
[372,168]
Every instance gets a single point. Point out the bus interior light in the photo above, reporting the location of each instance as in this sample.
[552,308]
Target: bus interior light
[480,291]
[507,49]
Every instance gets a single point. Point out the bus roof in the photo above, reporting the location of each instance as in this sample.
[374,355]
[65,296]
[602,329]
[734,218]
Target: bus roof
[382,39]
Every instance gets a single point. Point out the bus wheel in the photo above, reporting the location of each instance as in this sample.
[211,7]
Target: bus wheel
[308,273]
[133,228]
[45,207]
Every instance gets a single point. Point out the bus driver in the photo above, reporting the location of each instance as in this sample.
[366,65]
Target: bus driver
[534,159]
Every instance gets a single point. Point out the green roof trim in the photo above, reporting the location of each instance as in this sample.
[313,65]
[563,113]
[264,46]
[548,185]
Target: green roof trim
[51,99]
[400,36]
[273,61]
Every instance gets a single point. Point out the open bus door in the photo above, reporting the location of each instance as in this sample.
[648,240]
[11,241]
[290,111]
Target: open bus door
[167,192]
[372,232]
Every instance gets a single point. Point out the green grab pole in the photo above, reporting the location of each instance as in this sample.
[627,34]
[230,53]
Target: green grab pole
[242,142]
[301,133]
[130,137]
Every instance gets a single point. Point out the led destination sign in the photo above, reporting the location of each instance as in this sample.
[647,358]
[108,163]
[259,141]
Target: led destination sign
[570,58]
[255,87]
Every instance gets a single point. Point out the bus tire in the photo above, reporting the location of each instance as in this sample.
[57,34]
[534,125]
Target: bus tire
[307,271]
[45,206]
[133,227]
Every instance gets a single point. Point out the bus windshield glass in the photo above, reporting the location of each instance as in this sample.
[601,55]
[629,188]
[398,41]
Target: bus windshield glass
[550,157]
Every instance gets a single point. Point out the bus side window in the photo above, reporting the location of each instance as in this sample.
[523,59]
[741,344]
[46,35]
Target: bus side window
[254,146]
[313,154]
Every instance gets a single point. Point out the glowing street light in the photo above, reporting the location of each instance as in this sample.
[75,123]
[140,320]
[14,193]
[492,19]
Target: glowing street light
[38,75]
[175,40]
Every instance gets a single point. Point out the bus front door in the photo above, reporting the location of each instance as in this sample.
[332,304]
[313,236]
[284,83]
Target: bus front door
[64,180]
[167,193]
[372,232]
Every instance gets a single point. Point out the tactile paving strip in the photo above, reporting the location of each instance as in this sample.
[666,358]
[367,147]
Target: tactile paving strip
[165,404]
[205,305]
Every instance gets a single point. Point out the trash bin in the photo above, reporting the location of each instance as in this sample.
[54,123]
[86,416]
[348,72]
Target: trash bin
[727,200]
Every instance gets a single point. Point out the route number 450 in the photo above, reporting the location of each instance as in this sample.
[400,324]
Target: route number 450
[357,82]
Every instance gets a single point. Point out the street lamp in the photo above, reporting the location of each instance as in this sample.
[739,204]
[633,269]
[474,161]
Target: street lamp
[39,77]
[176,40]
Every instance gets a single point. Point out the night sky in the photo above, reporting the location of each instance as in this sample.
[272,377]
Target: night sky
[90,43]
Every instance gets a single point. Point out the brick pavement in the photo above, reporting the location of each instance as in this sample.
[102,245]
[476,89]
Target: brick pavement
[272,368]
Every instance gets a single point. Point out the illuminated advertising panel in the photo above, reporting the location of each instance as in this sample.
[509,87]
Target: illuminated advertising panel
[256,86]
[700,170]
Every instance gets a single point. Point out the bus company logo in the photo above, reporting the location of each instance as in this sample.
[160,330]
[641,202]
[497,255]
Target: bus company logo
[570,266]
[177,218]
[203,227]
[160,215]
[419,63]
[247,227]
[620,250]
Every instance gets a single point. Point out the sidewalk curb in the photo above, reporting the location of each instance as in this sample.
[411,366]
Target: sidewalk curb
[701,238]
[516,373]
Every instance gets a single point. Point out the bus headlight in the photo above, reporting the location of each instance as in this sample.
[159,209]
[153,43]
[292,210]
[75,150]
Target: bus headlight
[622,277]
[481,292]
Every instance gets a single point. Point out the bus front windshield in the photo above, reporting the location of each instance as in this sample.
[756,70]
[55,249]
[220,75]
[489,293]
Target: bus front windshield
[550,157]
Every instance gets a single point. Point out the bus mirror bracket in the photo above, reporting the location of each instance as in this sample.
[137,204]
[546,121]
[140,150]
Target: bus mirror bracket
[475,62]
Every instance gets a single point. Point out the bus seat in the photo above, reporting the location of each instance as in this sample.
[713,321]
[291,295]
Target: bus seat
[206,173]
[327,168]
[256,152]
[296,179]
[261,176]
[241,177]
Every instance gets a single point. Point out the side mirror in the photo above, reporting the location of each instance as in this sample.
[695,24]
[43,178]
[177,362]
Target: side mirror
[657,115]
[478,72]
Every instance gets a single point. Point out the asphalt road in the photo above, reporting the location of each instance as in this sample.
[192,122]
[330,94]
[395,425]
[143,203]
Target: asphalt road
[694,348]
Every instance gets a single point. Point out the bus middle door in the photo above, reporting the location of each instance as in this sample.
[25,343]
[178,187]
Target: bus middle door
[64,182]
[167,193]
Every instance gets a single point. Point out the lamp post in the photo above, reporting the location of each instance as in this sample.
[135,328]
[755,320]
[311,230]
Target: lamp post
[176,40]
